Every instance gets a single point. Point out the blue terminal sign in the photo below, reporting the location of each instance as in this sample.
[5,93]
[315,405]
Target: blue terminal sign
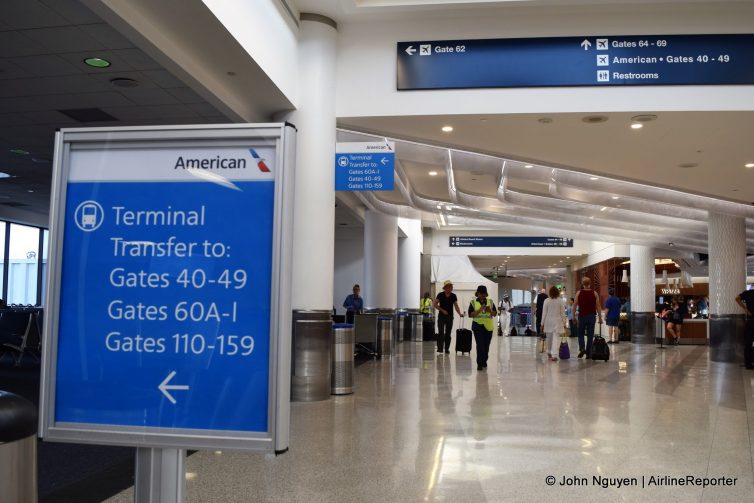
[365,166]
[509,242]
[166,317]
[646,60]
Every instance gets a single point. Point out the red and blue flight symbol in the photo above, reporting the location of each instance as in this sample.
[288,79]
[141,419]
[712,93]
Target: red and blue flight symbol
[260,161]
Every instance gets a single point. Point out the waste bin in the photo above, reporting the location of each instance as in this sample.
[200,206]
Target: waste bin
[416,321]
[401,317]
[428,329]
[342,359]
[312,338]
[18,448]
[385,336]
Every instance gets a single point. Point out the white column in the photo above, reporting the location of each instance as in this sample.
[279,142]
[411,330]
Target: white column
[314,211]
[569,286]
[642,294]
[727,279]
[380,288]
[409,263]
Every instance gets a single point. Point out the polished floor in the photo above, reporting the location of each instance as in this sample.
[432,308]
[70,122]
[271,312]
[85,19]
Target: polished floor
[426,427]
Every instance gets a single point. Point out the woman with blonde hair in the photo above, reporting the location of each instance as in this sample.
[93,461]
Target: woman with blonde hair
[554,322]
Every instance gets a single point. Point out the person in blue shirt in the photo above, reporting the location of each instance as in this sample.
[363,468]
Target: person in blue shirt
[354,304]
[612,304]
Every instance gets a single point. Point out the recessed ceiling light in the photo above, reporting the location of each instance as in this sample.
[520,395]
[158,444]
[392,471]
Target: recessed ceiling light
[616,197]
[688,165]
[528,166]
[593,178]
[29,190]
[545,120]
[637,125]
[124,82]
[447,129]
[644,118]
[433,173]
[594,119]
[749,165]
[97,62]
[4,175]
[603,208]
[19,151]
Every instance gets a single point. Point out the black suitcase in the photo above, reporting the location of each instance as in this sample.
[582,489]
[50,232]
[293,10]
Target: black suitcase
[463,339]
[428,329]
[600,349]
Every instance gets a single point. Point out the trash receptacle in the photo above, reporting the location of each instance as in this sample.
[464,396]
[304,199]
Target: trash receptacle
[417,321]
[18,448]
[401,318]
[385,336]
[342,359]
[311,367]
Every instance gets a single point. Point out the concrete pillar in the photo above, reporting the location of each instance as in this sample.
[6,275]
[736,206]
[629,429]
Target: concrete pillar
[380,288]
[727,278]
[314,209]
[409,264]
[569,285]
[642,294]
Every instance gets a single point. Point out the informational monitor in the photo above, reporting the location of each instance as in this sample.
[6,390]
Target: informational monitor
[169,314]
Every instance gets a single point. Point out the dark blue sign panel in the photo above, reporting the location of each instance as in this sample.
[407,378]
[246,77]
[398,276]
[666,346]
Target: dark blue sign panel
[364,166]
[510,242]
[577,61]
[165,289]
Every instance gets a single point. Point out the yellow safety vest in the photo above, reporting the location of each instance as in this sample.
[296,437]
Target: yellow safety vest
[426,305]
[484,319]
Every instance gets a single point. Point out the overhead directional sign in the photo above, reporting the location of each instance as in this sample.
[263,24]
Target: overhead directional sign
[577,61]
[361,166]
[510,242]
[168,296]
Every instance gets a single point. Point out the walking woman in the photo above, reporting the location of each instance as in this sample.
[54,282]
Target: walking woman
[553,322]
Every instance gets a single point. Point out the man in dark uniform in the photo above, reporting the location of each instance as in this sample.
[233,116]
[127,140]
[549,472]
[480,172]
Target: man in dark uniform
[746,301]
[541,298]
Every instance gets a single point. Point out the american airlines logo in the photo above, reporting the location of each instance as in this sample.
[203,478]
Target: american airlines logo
[221,163]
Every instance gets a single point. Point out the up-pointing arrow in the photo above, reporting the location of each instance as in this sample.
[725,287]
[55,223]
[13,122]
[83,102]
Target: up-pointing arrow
[164,387]
[586,44]
[410,50]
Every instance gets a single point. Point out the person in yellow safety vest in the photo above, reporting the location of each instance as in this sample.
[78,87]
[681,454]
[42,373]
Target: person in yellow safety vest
[426,304]
[482,312]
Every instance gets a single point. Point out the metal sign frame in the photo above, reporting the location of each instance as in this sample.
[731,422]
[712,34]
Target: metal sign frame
[276,438]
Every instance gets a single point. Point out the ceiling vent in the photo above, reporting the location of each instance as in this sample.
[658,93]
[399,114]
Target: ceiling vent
[88,115]
[644,118]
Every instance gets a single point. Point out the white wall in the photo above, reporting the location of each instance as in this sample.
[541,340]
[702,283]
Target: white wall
[349,264]
[366,72]
[600,251]
[267,34]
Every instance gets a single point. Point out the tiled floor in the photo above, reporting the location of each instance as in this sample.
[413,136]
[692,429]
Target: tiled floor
[428,427]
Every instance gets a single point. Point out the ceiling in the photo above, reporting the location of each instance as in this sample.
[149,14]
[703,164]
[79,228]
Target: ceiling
[42,47]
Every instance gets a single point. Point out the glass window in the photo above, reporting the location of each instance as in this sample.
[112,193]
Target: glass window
[23,256]
[517,297]
[45,248]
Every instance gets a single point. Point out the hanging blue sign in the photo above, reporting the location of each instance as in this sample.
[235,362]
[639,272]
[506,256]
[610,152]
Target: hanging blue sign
[577,61]
[365,166]
[509,242]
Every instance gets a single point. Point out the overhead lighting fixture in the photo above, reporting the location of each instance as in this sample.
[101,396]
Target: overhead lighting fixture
[447,129]
[637,125]
[593,178]
[749,165]
[644,118]
[97,62]
[687,165]
[124,82]
[603,208]
[4,175]
[528,166]
[616,198]
[594,119]
[433,173]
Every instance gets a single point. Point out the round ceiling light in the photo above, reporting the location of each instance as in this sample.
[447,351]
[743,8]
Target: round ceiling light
[749,165]
[97,62]
[616,197]
[644,118]
[447,129]
[545,120]
[594,119]
[593,178]
[688,165]
[433,173]
[124,82]
[528,166]
[637,125]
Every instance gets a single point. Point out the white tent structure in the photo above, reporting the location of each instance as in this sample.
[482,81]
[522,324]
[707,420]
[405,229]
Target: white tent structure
[465,278]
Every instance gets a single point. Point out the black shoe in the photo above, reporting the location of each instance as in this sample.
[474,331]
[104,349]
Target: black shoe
[484,365]
[581,354]
[479,367]
[447,351]
[439,351]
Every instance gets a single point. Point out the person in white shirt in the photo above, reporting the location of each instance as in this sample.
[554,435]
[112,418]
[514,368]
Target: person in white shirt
[553,322]
[505,315]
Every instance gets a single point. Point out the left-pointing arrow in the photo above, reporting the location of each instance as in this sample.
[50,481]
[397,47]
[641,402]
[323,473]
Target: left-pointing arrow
[384,161]
[410,50]
[164,387]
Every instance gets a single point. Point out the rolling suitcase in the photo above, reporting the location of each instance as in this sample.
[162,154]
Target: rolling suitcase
[600,349]
[463,339]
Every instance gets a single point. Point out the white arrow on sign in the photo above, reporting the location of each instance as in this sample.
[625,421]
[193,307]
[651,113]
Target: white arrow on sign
[410,50]
[164,387]
[586,44]
[384,161]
